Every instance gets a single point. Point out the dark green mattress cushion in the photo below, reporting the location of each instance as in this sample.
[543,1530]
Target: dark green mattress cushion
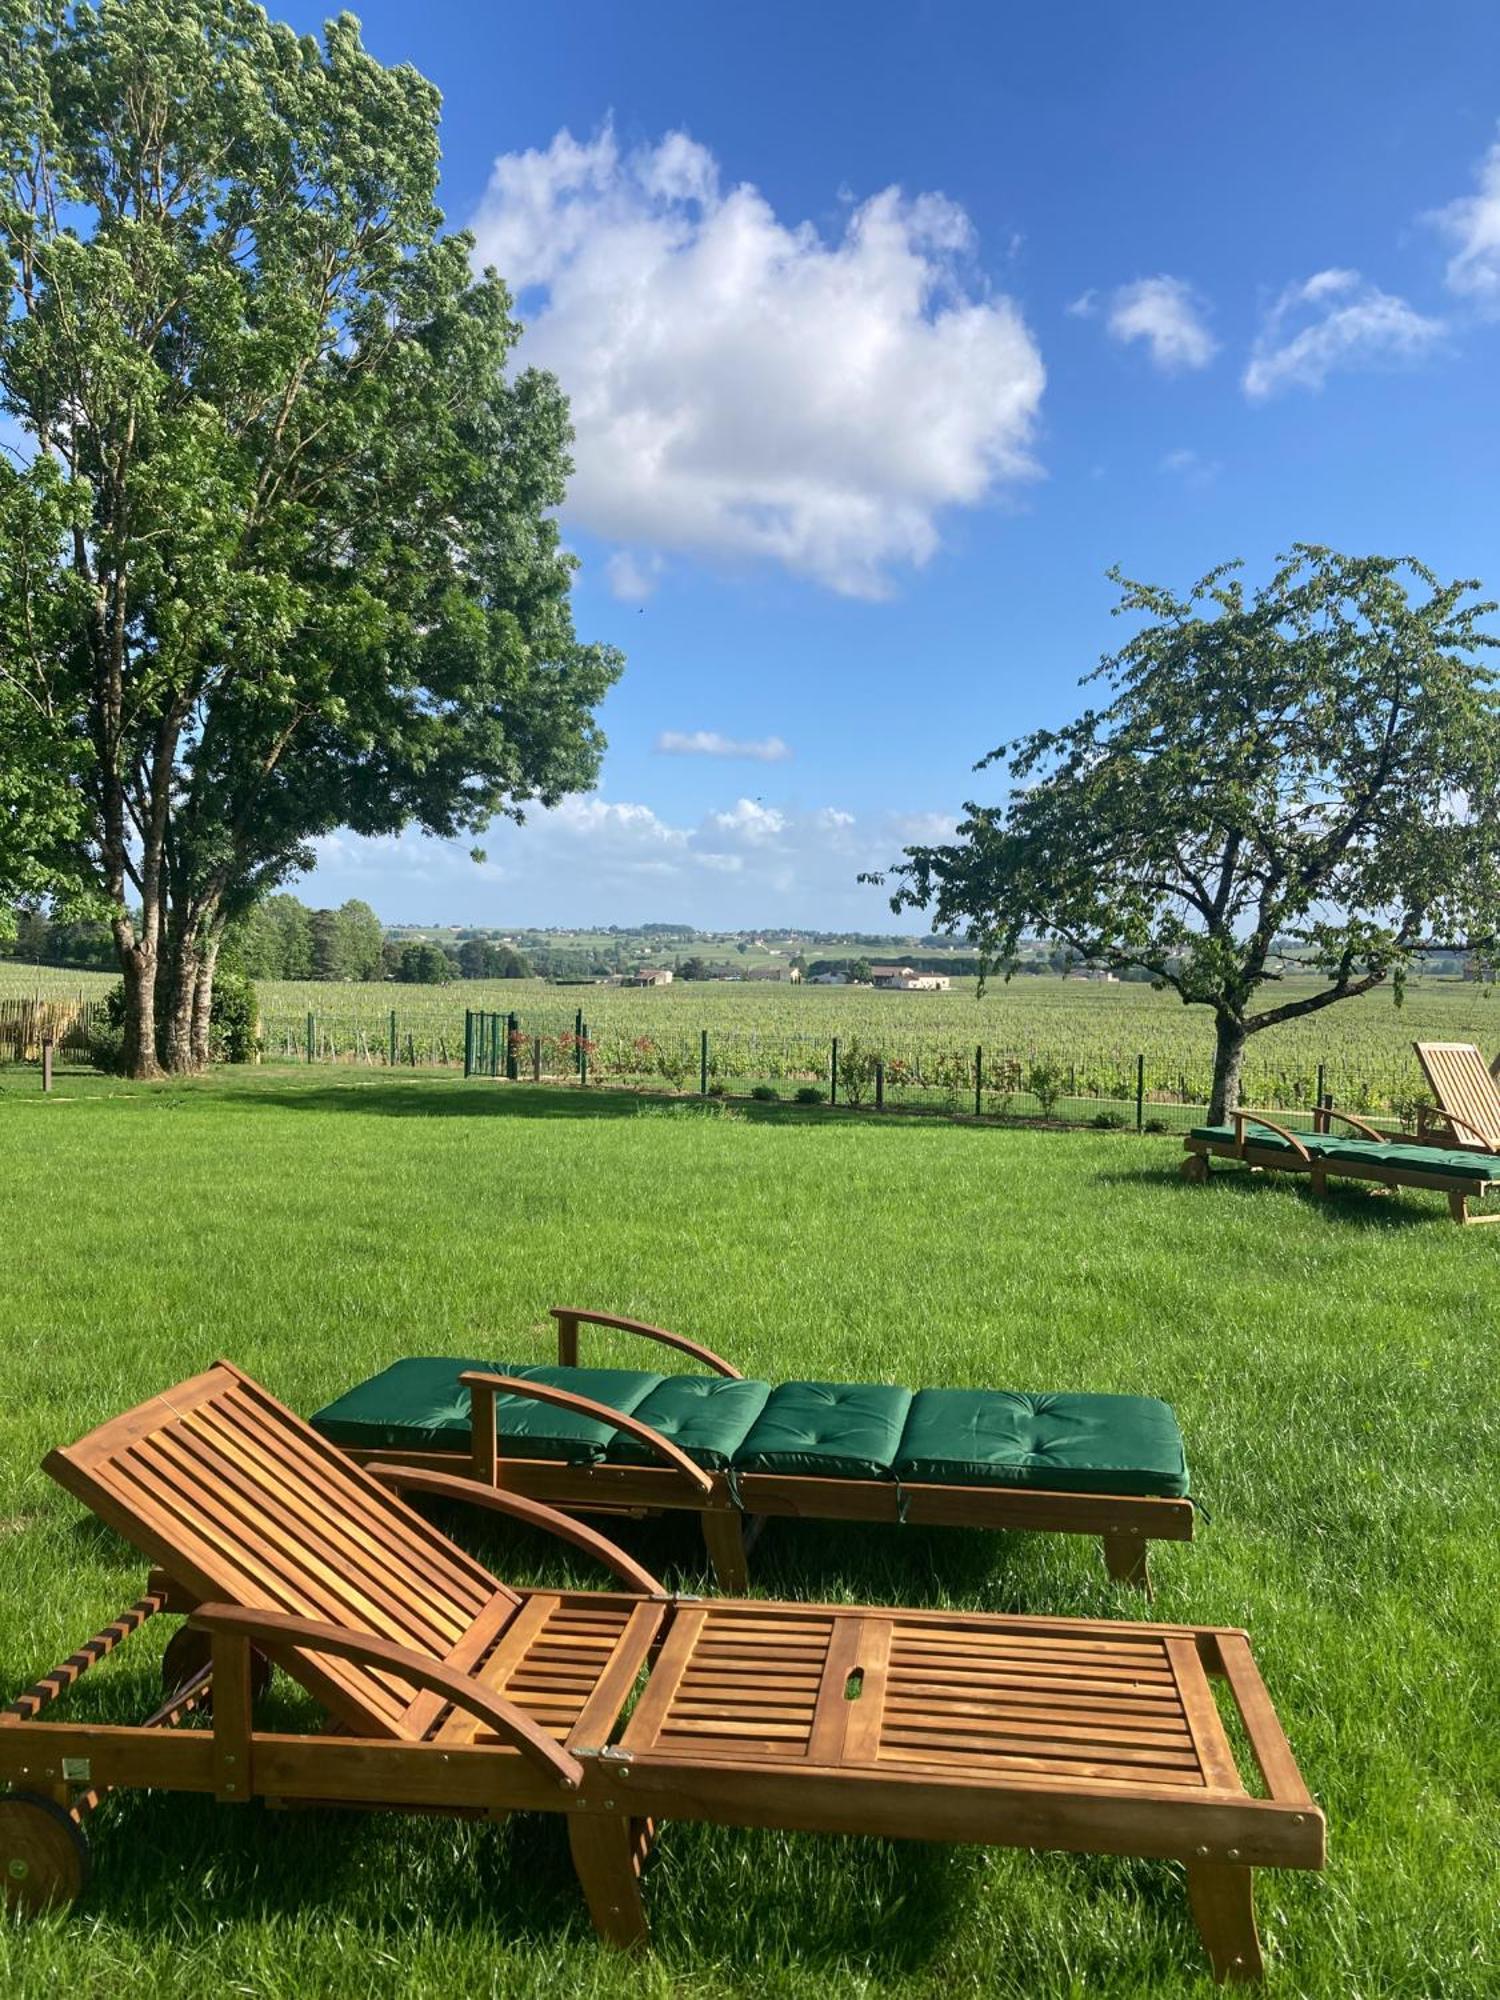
[1063,1444]
[418,1405]
[827,1430]
[1401,1155]
[708,1416]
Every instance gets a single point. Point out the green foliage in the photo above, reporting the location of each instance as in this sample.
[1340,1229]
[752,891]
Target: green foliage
[810,1093]
[766,1093]
[284,555]
[1045,1081]
[480,958]
[425,965]
[1109,1121]
[234,1020]
[1315,766]
[857,1062]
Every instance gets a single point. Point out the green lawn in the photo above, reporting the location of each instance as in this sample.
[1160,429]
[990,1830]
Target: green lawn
[1333,1368]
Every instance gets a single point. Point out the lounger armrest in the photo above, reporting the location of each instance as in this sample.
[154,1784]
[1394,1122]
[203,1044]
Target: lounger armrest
[1326,1111]
[1429,1115]
[483,1388]
[1244,1118]
[277,1632]
[570,1318]
[448,1486]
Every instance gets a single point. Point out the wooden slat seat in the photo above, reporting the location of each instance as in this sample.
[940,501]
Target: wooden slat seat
[1468,1095]
[450,1692]
[237,1504]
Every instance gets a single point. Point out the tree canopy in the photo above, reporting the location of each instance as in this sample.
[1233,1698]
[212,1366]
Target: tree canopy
[1313,767]
[291,561]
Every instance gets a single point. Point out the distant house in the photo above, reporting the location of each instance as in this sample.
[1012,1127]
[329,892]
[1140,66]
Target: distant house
[1096,973]
[905,979]
[648,975]
[784,975]
[830,979]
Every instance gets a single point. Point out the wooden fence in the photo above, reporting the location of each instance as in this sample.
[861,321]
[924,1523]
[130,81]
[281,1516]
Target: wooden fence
[25,1023]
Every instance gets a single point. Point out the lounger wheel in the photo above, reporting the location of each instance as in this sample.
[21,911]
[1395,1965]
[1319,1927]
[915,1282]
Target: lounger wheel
[44,1855]
[1195,1168]
[188,1653]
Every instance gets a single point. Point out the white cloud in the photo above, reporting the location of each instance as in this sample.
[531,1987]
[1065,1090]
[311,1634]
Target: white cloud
[1473,223]
[632,577]
[1191,467]
[1169,316]
[709,743]
[745,387]
[1334,320]
[595,860]
[1084,306]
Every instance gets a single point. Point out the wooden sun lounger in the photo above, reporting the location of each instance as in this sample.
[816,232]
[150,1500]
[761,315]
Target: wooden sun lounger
[1259,1142]
[1467,1113]
[447,1691]
[734,1506]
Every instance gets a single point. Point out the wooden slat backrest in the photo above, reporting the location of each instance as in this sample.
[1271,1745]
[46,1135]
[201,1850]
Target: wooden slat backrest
[1463,1085]
[241,1502]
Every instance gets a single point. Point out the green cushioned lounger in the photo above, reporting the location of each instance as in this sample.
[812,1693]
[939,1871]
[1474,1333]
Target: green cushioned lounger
[1363,1153]
[738,1451]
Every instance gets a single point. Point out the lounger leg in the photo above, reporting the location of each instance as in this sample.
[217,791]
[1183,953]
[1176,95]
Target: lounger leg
[1222,1899]
[724,1533]
[1126,1558]
[607,1854]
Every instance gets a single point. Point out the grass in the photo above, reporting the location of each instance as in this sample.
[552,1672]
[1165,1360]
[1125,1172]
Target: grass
[1332,1366]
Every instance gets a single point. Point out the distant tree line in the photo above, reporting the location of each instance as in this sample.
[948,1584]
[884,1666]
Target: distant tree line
[282,938]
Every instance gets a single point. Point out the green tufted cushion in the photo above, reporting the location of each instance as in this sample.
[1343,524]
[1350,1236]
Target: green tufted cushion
[1398,1154]
[418,1405]
[827,1430]
[1063,1443]
[707,1415]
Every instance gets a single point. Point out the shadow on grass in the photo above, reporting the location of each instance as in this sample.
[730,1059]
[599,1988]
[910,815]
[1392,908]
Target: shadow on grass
[482,1100]
[1361,1205]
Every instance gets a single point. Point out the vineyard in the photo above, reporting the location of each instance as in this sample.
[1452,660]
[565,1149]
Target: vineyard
[1113,1053]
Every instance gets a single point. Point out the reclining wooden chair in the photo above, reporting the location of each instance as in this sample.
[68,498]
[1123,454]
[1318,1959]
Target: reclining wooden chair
[1467,1112]
[738,1452]
[1368,1155]
[446,1691]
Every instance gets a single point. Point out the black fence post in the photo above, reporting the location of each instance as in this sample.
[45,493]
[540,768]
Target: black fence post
[979,1081]
[1322,1088]
[880,1083]
[703,1063]
[1140,1093]
[833,1073]
[393,1038]
[512,1029]
[468,1043]
[46,1063]
[312,1029]
[536,1058]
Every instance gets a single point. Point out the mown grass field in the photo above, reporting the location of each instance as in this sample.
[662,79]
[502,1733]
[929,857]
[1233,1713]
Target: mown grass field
[1332,1367]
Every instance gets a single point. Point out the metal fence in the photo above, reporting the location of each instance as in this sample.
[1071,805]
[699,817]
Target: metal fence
[1126,1090]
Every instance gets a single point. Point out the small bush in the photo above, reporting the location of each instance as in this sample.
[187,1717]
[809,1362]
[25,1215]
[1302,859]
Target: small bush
[1155,1125]
[1108,1121]
[107,1046]
[716,1088]
[767,1093]
[233,1019]
[810,1094]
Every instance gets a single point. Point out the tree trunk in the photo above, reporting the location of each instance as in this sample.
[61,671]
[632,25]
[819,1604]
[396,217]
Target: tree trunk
[138,963]
[1230,1038]
[184,963]
[203,1001]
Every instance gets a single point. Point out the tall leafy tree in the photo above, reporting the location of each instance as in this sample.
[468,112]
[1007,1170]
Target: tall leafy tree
[1313,768]
[300,568]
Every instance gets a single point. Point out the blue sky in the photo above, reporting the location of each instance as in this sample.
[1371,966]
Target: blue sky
[888,329]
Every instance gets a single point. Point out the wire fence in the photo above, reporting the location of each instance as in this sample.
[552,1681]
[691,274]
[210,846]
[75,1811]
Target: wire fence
[911,1070]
